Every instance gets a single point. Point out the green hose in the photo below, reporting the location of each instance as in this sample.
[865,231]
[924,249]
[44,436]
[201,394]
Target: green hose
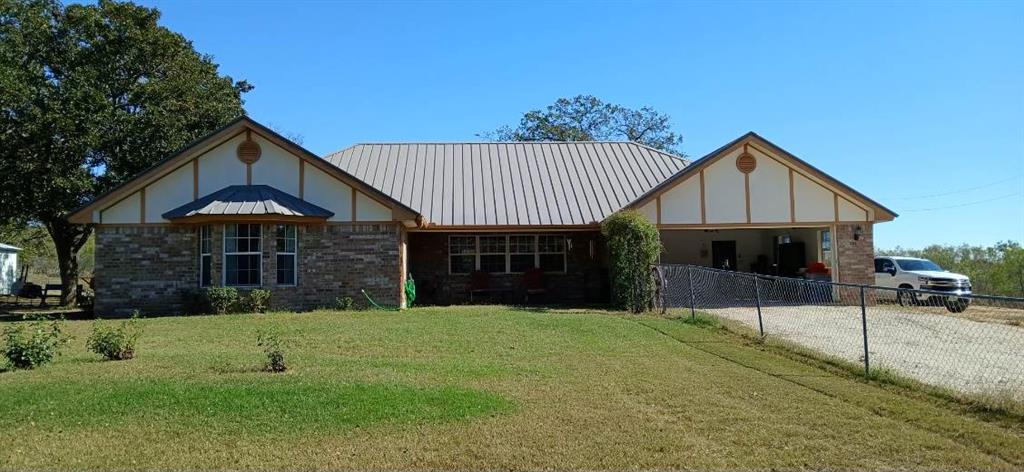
[410,296]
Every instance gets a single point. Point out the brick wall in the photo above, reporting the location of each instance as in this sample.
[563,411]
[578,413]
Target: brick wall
[143,268]
[585,280]
[148,267]
[856,257]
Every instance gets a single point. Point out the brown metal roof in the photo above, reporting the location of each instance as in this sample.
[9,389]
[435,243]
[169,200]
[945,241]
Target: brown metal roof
[515,184]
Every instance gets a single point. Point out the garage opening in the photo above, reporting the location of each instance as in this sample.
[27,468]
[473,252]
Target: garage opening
[785,251]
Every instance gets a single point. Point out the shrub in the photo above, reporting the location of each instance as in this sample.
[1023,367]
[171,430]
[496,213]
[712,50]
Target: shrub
[195,302]
[273,348]
[30,345]
[345,303]
[258,301]
[115,344]
[633,247]
[222,299]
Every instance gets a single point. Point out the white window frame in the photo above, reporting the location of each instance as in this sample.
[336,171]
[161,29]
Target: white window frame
[209,252]
[563,252]
[224,250]
[508,251]
[294,254]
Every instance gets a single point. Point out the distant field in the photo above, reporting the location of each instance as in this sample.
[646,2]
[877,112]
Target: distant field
[472,388]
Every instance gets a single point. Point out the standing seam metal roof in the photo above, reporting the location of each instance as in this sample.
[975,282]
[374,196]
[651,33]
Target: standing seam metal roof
[514,184]
[249,200]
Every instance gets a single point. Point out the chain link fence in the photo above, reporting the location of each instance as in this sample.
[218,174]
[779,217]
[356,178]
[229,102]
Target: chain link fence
[967,344]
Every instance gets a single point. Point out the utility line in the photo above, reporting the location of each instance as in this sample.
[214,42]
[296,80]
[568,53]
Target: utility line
[967,204]
[952,192]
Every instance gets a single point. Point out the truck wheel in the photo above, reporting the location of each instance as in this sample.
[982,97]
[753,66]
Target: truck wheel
[957,305]
[905,297]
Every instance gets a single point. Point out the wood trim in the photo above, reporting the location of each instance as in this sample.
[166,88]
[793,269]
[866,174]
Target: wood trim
[703,205]
[203,219]
[302,179]
[195,179]
[248,174]
[195,151]
[792,198]
[132,225]
[202,146]
[658,209]
[354,194]
[746,192]
[835,203]
[779,225]
[142,205]
[784,158]
[505,228]
[806,173]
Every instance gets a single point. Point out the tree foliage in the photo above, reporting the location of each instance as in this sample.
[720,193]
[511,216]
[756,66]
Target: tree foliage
[994,270]
[588,118]
[92,95]
[633,247]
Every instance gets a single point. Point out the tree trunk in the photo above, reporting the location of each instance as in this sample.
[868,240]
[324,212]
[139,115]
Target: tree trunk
[67,240]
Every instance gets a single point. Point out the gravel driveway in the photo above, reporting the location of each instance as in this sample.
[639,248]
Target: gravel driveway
[943,350]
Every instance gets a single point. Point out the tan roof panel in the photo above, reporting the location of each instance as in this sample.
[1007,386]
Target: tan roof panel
[510,184]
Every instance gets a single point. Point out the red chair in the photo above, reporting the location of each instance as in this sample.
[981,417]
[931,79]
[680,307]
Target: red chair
[533,283]
[479,282]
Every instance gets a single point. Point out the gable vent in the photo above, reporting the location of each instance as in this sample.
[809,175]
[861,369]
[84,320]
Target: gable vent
[746,163]
[249,151]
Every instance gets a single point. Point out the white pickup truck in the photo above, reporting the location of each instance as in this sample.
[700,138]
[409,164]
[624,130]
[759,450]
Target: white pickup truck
[911,273]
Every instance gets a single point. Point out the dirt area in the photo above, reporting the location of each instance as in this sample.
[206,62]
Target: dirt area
[925,343]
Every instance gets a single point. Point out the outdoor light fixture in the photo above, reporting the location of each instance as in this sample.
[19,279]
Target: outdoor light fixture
[857,232]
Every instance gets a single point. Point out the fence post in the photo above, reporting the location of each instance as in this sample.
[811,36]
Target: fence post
[689,276]
[864,330]
[757,292]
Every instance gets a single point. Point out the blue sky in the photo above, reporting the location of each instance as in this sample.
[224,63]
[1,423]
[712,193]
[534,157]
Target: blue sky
[918,105]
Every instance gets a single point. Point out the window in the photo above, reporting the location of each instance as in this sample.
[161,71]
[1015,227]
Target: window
[242,255]
[462,254]
[286,262]
[551,253]
[826,240]
[883,265]
[506,254]
[493,250]
[522,250]
[205,256]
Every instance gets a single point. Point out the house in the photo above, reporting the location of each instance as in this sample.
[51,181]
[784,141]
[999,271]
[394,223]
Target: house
[246,207]
[8,268]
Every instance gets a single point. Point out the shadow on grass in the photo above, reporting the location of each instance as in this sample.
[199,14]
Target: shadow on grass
[273,405]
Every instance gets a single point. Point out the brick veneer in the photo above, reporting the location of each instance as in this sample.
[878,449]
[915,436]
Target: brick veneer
[856,257]
[585,280]
[148,267]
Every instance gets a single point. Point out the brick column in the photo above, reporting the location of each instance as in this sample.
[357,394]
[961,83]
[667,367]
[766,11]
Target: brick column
[856,256]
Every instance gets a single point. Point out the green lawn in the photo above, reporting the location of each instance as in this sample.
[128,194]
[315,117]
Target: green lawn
[470,388]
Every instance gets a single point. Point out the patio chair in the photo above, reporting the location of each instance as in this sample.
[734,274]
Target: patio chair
[533,283]
[479,282]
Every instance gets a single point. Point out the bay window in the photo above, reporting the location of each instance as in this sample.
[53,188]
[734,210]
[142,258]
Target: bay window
[242,255]
[506,254]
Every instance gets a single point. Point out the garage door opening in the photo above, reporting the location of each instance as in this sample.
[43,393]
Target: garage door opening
[787,252]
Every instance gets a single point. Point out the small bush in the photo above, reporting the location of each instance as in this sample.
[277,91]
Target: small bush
[30,345]
[633,247]
[273,348]
[195,302]
[258,301]
[222,299]
[115,344]
[345,303]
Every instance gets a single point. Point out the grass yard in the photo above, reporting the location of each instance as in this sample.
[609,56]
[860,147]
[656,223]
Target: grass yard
[471,388]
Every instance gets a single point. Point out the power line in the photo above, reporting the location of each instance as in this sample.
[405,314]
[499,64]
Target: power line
[952,192]
[966,204]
